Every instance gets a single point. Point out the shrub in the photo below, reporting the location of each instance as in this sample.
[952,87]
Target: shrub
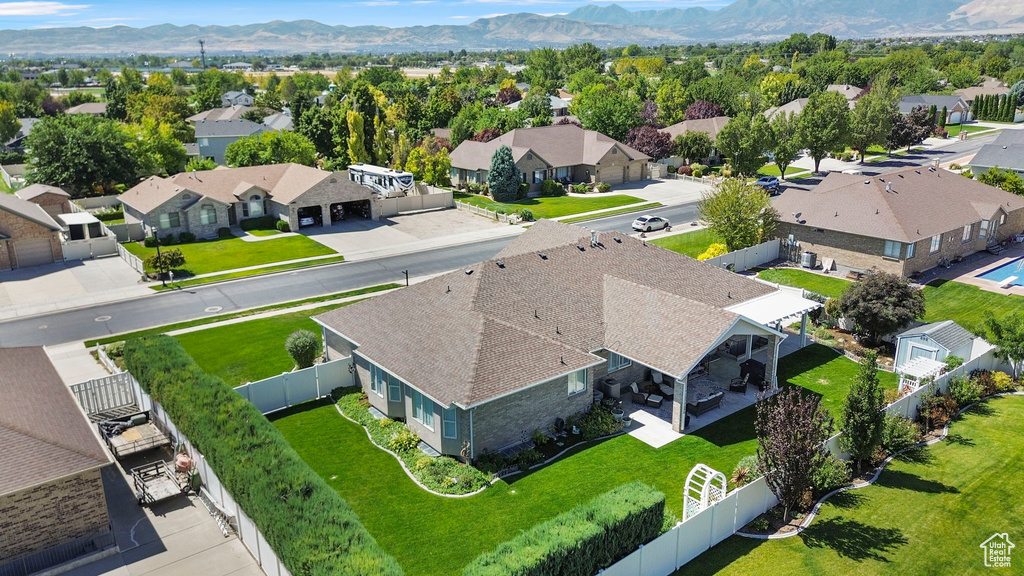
[596,423]
[603,186]
[833,473]
[307,523]
[964,391]
[698,173]
[685,171]
[745,471]
[282,226]
[953,362]
[150,242]
[1003,382]
[491,462]
[403,441]
[115,213]
[303,346]
[713,250]
[114,350]
[526,215]
[260,223]
[524,191]
[891,395]
[168,240]
[224,233]
[581,541]
[552,188]
[671,169]
[526,458]
[539,437]
[940,132]
[955,166]
[186,238]
[581,188]
[899,433]
[698,166]
[934,410]
[476,188]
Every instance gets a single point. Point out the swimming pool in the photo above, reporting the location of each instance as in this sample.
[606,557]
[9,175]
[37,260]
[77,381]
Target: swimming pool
[1012,269]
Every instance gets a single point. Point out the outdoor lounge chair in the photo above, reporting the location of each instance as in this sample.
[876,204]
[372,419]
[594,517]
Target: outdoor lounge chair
[739,384]
[705,405]
[638,397]
[666,390]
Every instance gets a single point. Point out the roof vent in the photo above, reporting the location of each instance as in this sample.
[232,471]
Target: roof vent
[581,248]
[618,240]
[867,181]
[449,289]
[888,187]
[543,256]
[500,263]
[593,237]
[469,271]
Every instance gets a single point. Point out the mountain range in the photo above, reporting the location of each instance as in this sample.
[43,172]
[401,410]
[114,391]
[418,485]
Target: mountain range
[742,20]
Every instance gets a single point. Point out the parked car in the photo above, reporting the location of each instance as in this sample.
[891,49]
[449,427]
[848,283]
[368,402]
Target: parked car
[648,223]
[769,183]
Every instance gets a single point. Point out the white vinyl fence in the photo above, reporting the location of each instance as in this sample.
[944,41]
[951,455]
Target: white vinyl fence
[236,517]
[131,259]
[503,218]
[293,388]
[747,258]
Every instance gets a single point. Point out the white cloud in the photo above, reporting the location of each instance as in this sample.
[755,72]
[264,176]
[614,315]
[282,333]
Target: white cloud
[378,3]
[38,8]
[458,17]
[494,15]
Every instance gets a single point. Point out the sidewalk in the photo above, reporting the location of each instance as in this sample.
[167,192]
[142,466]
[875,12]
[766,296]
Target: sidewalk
[77,301]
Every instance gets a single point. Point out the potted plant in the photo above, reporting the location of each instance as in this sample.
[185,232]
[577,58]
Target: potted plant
[627,422]
[617,413]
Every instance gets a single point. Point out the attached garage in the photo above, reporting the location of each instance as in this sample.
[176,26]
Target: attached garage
[32,252]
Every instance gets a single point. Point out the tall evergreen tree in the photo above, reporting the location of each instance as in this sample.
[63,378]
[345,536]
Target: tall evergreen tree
[356,148]
[503,177]
[942,118]
[863,415]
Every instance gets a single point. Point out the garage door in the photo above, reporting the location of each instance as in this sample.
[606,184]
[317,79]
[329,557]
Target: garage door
[613,175]
[32,252]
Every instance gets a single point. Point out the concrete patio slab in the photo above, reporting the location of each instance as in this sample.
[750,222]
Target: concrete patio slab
[75,363]
[63,285]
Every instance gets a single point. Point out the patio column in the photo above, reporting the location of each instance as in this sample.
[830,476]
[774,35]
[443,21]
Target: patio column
[803,329]
[771,361]
[679,405]
[750,347]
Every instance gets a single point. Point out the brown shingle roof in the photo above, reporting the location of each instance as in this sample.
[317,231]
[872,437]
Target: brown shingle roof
[31,191]
[558,145]
[468,338]
[27,210]
[921,204]
[712,126]
[214,114]
[94,108]
[43,432]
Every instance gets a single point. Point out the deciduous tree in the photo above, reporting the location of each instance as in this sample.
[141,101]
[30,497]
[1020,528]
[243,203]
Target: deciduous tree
[607,110]
[871,120]
[1007,333]
[739,213]
[694,146]
[166,260]
[271,148]
[303,346]
[702,109]
[881,304]
[783,140]
[356,144]
[650,141]
[743,141]
[1007,180]
[824,124]
[80,153]
[9,123]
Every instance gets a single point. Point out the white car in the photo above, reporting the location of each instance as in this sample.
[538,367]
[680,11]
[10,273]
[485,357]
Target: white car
[648,223]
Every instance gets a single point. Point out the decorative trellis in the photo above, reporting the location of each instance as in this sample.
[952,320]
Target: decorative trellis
[704,486]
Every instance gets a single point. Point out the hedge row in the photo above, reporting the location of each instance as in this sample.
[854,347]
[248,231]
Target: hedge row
[581,541]
[313,531]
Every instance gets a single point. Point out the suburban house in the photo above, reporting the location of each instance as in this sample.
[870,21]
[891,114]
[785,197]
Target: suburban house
[559,107]
[237,67]
[214,136]
[53,200]
[902,222]
[236,98]
[203,202]
[562,152]
[92,108]
[477,359]
[17,143]
[794,106]
[279,121]
[1007,152]
[989,87]
[214,114]
[956,107]
[848,91]
[710,126]
[28,234]
[52,504]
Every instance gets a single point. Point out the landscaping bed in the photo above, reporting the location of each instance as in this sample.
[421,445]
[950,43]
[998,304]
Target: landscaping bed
[551,206]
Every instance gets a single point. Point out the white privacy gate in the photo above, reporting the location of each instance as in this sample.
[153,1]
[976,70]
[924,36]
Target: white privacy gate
[296,387]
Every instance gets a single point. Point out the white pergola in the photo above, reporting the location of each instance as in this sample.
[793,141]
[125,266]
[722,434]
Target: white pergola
[781,307]
[917,370]
[704,486]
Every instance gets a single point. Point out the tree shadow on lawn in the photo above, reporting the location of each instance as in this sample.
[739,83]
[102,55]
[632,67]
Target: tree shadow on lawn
[901,480]
[854,540]
[917,455]
[721,556]
[299,408]
[847,500]
[959,440]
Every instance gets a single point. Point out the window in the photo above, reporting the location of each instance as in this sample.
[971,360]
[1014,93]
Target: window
[967,233]
[936,244]
[449,425]
[538,176]
[562,172]
[207,215]
[1002,218]
[892,249]
[394,389]
[616,362]
[377,380]
[255,206]
[422,409]
[454,173]
[204,141]
[911,248]
[983,229]
[577,382]
[169,220]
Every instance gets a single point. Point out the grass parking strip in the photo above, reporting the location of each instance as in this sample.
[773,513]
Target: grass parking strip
[618,212]
[246,273]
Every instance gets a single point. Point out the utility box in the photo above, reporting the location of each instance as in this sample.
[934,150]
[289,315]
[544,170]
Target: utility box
[808,259]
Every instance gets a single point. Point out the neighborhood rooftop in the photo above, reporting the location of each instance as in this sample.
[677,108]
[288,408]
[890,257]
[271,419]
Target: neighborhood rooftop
[712,126]
[947,333]
[905,205]
[541,308]
[1006,152]
[28,210]
[559,145]
[33,190]
[216,128]
[43,432]
[229,113]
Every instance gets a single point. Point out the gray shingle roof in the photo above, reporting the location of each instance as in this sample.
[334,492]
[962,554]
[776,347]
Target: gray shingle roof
[279,121]
[1007,156]
[227,128]
[43,432]
[921,204]
[230,113]
[711,126]
[947,334]
[908,103]
[27,210]
[94,108]
[558,145]
[540,308]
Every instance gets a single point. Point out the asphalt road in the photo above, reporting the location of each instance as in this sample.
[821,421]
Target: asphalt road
[189,304]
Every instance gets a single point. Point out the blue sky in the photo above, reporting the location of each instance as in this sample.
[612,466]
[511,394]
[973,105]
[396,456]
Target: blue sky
[47,13]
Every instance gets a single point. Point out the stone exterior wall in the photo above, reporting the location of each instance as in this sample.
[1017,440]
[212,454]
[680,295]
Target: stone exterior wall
[508,420]
[52,513]
[613,165]
[53,204]
[17,228]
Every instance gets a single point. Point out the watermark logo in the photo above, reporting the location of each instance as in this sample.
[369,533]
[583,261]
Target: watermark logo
[997,550]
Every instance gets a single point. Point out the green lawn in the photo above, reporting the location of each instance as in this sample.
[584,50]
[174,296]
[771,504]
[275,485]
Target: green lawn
[217,255]
[159,287]
[773,170]
[446,533]
[968,305]
[826,372]
[830,286]
[641,208]
[927,514]
[955,129]
[552,206]
[248,351]
[690,243]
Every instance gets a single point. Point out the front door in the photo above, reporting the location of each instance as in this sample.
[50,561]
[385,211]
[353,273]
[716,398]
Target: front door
[232,216]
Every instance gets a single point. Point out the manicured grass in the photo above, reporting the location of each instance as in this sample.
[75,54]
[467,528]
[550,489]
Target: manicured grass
[444,534]
[641,208]
[955,129]
[159,287]
[830,286]
[222,317]
[249,351]
[967,305]
[552,206]
[773,170]
[690,243]
[826,372]
[217,255]
[928,513]
[264,232]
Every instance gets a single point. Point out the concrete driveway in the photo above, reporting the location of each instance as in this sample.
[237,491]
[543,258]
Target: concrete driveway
[358,235]
[81,281]
[668,192]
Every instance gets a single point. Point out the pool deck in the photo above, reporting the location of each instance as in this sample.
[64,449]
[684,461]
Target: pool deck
[969,272]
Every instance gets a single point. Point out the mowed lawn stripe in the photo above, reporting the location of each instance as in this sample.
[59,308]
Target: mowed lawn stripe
[216,255]
[551,206]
